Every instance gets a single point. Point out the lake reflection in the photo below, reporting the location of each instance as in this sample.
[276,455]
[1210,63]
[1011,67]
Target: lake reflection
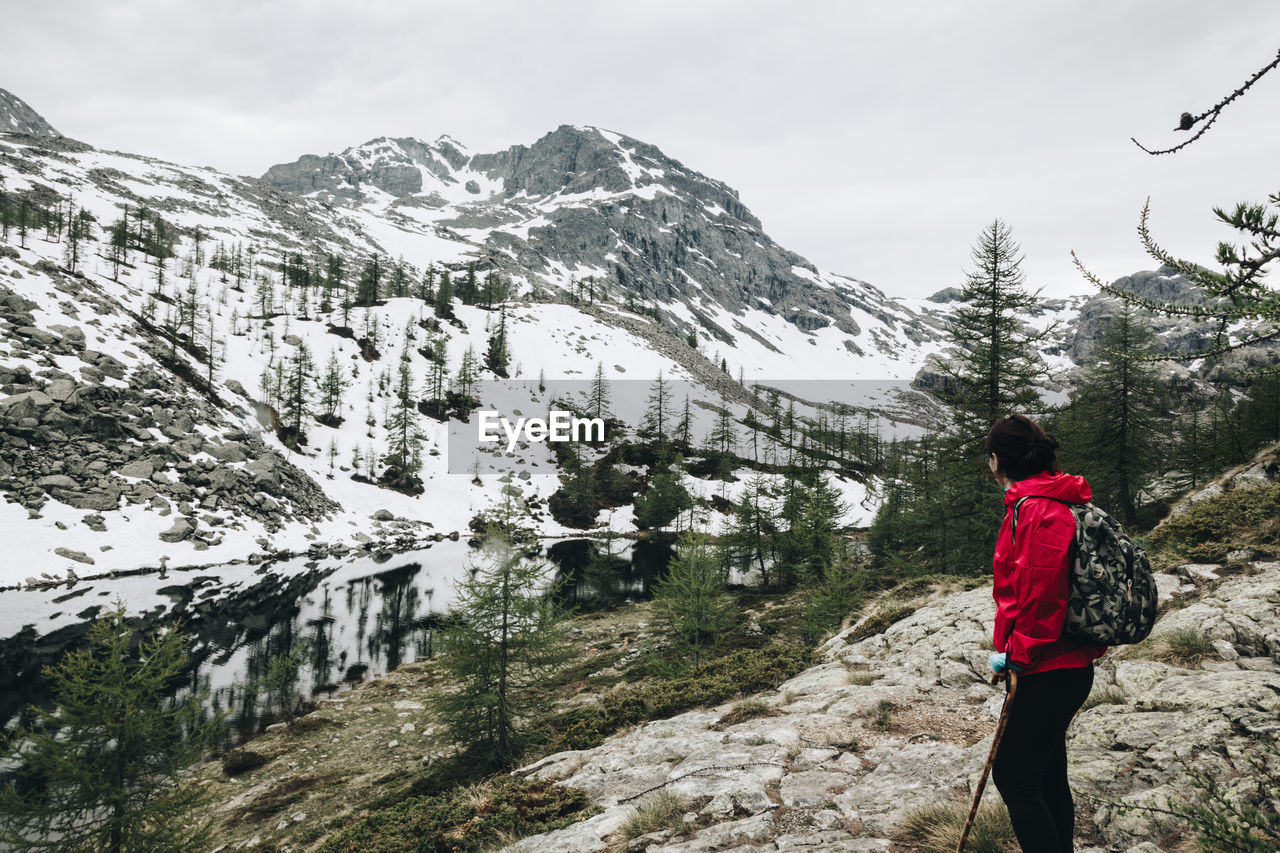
[346,620]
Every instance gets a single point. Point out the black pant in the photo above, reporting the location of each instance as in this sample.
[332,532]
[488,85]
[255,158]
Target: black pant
[1030,769]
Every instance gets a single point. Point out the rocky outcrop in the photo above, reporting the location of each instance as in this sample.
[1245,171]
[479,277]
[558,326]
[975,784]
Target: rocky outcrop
[580,198]
[17,117]
[151,440]
[834,758]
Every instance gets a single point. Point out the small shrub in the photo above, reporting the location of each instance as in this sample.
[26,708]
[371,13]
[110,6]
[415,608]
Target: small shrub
[936,828]
[464,820]
[1187,647]
[860,679]
[721,679]
[242,761]
[1183,647]
[1210,528]
[883,716]
[661,810]
[1107,695]
[878,623]
[745,710]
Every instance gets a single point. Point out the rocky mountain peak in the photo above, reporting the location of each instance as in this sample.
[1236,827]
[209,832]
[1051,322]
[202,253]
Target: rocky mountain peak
[16,116]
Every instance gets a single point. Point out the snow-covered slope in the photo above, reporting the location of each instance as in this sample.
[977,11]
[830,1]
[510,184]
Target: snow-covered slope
[119,453]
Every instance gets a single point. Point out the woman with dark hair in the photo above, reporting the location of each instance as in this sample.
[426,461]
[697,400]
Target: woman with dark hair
[1055,673]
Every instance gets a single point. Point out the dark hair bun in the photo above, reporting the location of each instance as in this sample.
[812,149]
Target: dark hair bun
[1022,447]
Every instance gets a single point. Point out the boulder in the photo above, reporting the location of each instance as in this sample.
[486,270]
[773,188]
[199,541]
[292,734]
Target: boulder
[182,529]
[29,404]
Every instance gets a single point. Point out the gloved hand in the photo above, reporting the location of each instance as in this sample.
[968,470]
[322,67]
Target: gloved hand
[1000,662]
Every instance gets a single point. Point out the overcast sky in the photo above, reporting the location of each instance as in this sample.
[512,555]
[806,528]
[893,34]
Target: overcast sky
[876,139]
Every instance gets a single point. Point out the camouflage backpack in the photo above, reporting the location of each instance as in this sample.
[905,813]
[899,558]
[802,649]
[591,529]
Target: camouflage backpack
[1112,591]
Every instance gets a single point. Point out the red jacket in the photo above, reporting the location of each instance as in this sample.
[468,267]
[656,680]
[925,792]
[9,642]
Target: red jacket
[1030,576]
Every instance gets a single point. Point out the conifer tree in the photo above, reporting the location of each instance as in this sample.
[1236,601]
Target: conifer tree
[468,375]
[467,289]
[444,297]
[295,401]
[108,757]
[504,641]
[598,396]
[666,497]
[370,285]
[749,542]
[1113,417]
[997,359]
[405,437]
[333,384]
[496,356]
[427,287]
[438,374]
[24,221]
[691,600]
[657,416]
[118,247]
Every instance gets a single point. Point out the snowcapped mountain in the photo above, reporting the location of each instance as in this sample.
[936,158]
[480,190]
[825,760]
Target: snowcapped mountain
[17,117]
[120,447]
[583,202]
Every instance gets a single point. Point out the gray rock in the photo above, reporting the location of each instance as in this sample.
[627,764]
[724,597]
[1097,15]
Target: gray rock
[60,389]
[143,468]
[383,515]
[29,404]
[229,452]
[78,556]
[182,529]
[57,481]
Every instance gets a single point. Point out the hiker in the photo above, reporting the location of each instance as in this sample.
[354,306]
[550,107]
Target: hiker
[1055,673]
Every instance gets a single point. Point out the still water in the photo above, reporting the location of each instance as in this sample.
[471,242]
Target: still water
[352,619]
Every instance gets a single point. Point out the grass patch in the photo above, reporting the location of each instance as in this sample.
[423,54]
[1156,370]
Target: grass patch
[860,679]
[1184,647]
[745,710]
[1211,528]
[878,623]
[882,717]
[1107,695]
[477,817]
[936,828]
[660,811]
[281,796]
[742,672]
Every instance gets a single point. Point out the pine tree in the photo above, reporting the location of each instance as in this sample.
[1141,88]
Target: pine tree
[333,384]
[503,643]
[749,542]
[467,289]
[657,416]
[295,401]
[118,247]
[444,297]
[692,602]
[1114,416]
[496,356]
[666,497]
[370,285]
[107,758]
[997,362]
[598,396]
[438,374]
[427,288]
[403,434]
[468,375]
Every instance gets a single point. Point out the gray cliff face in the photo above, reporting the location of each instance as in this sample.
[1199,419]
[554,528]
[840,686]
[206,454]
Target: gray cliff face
[17,117]
[1173,334]
[598,201]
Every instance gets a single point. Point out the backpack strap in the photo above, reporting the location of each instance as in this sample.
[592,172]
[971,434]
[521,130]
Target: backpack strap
[1013,530]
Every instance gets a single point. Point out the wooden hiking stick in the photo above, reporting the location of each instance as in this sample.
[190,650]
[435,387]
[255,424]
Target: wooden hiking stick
[991,757]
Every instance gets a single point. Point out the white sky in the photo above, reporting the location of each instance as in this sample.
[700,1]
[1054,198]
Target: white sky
[875,139]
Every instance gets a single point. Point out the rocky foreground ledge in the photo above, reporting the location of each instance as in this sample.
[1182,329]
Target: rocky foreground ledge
[837,756]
